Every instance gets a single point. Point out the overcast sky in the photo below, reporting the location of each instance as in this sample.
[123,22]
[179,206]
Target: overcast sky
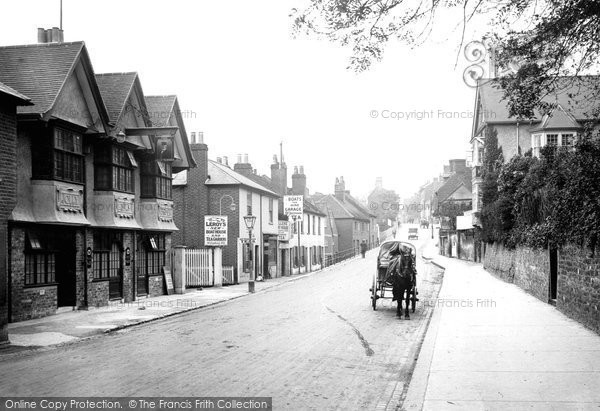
[247,84]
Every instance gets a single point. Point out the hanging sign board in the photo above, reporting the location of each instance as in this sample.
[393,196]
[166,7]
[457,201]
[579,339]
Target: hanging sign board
[293,206]
[215,230]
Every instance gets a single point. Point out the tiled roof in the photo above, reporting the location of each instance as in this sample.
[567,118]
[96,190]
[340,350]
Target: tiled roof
[452,184]
[340,209]
[38,71]
[115,89]
[4,89]
[223,175]
[559,118]
[574,96]
[160,109]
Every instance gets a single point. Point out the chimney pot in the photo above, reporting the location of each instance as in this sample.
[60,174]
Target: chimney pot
[193,137]
[301,169]
[246,159]
[200,137]
[239,158]
[275,159]
[295,169]
[55,35]
[41,35]
[219,160]
[226,161]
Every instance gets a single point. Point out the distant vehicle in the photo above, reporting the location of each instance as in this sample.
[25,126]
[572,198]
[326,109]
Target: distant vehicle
[424,224]
[413,233]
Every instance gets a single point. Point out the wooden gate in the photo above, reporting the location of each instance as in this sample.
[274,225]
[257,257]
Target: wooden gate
[199,270]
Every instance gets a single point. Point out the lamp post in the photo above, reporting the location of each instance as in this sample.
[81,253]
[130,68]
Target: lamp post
[231,207]
[249,220]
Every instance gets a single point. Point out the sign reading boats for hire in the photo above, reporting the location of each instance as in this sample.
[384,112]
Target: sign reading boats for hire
[215,230]
[293,206]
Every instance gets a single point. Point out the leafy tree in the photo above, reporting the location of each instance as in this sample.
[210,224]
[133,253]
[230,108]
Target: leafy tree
[384,204]
[492,162]
[560,37]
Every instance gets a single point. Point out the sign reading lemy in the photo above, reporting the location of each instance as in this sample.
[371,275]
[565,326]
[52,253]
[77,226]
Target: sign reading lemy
[293,206]
[215,230]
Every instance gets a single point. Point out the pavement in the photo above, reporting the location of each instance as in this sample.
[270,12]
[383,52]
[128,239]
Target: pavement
[492,346]
[70,325]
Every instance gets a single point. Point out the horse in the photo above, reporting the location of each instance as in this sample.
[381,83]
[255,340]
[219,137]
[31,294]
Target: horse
[401,271]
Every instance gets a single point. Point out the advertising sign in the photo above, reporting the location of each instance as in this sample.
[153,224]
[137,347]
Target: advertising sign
[293,206]
[284,230]
[215,230]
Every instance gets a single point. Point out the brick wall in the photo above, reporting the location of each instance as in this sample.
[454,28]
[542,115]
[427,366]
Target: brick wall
[578,288]
[190,201]
[8,187]
[31,302]
[345,229]
[500,262]
[215,194]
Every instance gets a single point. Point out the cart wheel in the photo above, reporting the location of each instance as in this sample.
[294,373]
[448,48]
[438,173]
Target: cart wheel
[374,295]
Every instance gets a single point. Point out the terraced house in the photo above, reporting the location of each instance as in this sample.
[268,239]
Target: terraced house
[94,212]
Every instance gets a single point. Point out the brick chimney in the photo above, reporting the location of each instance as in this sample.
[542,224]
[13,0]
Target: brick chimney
[340,189]
[279,176]
[192,199]
[243,166]
[299,181]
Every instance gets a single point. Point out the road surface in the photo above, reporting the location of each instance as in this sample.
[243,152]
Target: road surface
[314,343]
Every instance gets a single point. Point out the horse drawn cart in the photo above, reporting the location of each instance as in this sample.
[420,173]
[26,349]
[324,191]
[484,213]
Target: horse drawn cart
[402,256]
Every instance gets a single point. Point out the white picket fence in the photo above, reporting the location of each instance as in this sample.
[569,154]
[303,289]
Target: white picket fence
[199,270]
[228,278]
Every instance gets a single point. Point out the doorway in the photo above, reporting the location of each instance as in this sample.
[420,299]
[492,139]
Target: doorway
[553,275]
[63,242]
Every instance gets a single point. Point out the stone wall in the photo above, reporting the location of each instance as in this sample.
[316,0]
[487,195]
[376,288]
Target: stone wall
[527,268]
[578,294]
[578,278]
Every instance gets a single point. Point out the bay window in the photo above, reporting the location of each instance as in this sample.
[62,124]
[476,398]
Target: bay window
[156,180]
[114,169]
[59,157]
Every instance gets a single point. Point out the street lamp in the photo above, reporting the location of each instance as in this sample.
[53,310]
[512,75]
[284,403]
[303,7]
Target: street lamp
[231,207]
[249,220]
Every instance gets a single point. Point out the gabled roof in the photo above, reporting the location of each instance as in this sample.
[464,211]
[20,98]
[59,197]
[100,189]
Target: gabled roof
[335,206]
[160,109]
[14,94]
[115,89]
[41,70]
[220,174]
[454,182]
[430,189]
[558,119]
[573,94]
[357,208]
[342,209]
